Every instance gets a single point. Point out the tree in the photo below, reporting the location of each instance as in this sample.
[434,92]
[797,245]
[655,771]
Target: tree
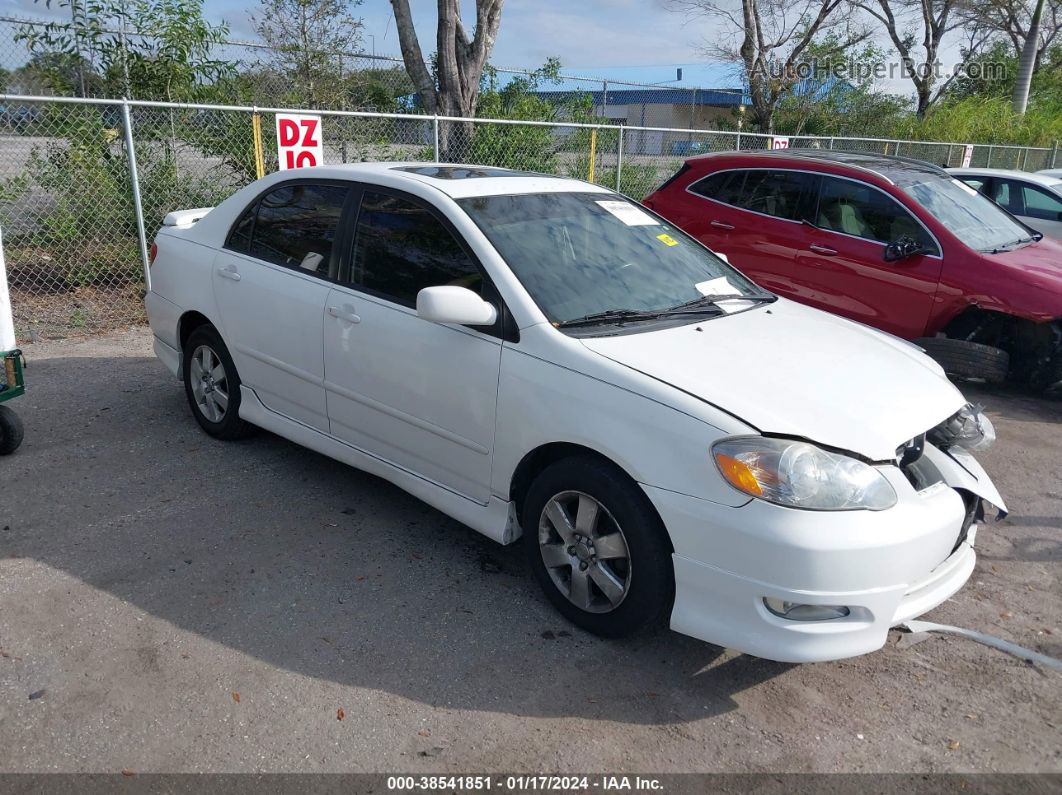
[935,19]
[148,49]
[57,73]
[309,39]
[453,89]
[769,38]
[1010,21]
[1029,56]
[841,95]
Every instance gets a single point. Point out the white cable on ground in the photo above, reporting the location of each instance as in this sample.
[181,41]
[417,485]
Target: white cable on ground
[988,640]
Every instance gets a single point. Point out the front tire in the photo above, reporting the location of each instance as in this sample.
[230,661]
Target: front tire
[212,385]
[964,359]
[11,431]
[597,547]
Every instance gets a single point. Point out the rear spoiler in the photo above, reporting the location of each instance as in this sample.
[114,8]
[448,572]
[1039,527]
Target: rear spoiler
[185,217]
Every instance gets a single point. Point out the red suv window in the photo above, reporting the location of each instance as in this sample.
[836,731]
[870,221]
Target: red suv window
[774,192]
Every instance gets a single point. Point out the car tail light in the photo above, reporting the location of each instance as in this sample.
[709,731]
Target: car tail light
[152,252]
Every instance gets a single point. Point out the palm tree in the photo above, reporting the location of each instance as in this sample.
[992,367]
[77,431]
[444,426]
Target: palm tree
[1028,61]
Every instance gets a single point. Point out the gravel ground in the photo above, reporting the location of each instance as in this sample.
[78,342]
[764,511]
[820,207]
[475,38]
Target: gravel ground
[173,603]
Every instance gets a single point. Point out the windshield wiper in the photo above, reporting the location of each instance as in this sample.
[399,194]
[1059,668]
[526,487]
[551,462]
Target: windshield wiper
[705,302]
[610,316]
[1018,242]
[705,305]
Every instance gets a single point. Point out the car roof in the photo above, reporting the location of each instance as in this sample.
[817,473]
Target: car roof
[455,180]
[866,161]
[1039,179]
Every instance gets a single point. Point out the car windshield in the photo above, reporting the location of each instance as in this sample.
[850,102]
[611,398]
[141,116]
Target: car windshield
[972,217]
[581,254]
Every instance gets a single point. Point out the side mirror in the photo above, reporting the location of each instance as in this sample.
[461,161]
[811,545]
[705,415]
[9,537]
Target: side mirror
[902,248]
[459,305]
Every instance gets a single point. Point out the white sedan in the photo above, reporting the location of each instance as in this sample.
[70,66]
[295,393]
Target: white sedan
[542,357]
[1036,199]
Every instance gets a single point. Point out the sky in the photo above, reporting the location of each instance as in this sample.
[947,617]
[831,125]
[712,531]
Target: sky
[589,36]
[636,40]
[584,34]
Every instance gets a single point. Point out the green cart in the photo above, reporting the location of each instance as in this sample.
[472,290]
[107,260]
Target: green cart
[11,386]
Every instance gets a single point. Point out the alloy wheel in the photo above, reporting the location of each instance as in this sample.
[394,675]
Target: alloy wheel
[209,382]
[585,551]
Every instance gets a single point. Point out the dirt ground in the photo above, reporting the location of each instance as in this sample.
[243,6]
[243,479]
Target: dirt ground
[173,603]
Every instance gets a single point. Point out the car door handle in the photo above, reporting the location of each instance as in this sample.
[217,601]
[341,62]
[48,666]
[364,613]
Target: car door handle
[721,225]
[229,272]
[342,314]
[822,249]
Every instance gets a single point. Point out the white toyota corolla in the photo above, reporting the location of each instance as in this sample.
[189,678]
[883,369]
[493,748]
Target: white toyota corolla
[542,357]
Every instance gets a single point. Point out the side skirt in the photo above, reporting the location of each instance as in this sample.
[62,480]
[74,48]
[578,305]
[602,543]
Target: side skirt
[496,519]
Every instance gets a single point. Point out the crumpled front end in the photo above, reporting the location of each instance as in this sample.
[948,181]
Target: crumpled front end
[801,585]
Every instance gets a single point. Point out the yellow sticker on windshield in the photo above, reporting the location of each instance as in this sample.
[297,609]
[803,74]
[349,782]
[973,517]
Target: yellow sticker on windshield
[667,240]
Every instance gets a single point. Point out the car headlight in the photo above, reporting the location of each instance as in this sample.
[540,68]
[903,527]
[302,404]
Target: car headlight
[801,475]
[968,427]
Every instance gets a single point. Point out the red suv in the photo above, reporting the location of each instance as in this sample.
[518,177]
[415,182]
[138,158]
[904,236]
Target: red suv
[888,241]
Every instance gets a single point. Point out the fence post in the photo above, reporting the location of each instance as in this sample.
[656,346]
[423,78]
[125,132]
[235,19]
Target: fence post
[1054,154]
[593,155]
[619,160]
[435,134]
[259,153]
[989,163]
[831,142]
[134,180]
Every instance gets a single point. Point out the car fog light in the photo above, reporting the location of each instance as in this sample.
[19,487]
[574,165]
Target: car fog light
[794,611]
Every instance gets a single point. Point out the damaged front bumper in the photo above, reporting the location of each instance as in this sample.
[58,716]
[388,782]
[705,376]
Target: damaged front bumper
[874,569]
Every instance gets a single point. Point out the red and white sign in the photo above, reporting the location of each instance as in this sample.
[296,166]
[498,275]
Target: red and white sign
[299,143]
[967,155]
[779,142]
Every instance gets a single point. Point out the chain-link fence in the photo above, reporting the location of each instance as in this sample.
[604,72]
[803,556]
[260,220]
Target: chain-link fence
[69,209]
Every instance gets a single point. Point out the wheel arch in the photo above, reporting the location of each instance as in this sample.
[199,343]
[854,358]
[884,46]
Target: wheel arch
[189,322]
[538,459]
[1031,344]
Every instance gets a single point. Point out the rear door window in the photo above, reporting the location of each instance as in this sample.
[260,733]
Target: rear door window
[295,226]
[781,194]
[1007,193]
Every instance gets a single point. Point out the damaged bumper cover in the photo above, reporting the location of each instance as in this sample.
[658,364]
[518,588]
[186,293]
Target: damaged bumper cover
[867,570]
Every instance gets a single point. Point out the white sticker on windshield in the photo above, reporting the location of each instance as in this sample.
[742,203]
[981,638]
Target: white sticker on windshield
[719,286]
[628,213]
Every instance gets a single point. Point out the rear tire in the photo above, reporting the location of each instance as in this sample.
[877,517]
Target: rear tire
[609,566]
[11,431]
[963,359]
[212,385]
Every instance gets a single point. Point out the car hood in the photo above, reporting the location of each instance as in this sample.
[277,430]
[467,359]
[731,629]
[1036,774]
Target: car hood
[791,370]
[1042,259]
